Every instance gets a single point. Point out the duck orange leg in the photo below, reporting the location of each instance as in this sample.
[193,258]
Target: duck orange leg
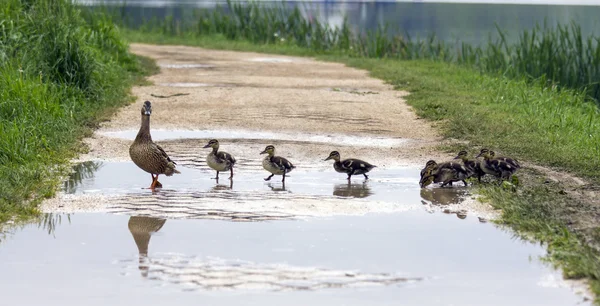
[155,182]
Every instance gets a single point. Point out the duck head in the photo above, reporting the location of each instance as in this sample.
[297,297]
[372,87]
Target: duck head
[335,155]
[268,150]
[485,153]
[147,109]
[213,143]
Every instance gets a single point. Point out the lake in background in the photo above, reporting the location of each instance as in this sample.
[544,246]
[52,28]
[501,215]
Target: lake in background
[467,22]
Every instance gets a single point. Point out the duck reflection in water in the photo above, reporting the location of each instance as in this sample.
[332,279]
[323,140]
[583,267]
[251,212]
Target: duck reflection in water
[142,228]
[223,186]
[277,187]
[350,190]
[443,196]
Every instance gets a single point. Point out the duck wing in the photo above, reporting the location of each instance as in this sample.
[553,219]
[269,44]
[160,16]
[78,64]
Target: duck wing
[353,163]
[224,156]
[164,154]
[282,163]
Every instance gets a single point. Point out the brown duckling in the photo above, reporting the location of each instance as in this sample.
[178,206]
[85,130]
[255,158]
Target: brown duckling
[350,166]
[446,173]
[472,166]
[496,167]
[219,160]
[147,155]
[275,164]
[513,162]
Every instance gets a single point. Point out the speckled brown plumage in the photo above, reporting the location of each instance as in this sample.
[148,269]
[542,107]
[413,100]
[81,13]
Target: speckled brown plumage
[147,155]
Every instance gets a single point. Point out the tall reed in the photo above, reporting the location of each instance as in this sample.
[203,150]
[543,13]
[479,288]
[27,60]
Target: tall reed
[560,55]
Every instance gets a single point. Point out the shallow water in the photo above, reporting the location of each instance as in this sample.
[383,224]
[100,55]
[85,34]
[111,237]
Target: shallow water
[341,139]
[411,258]
[317,239]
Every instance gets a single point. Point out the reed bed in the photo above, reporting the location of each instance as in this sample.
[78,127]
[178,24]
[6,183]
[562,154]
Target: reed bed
[559,55]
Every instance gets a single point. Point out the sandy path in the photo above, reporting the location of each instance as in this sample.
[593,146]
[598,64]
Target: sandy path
[251,91]
[297,99]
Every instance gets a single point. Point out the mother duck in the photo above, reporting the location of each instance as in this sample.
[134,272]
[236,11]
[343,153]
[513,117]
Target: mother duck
[147,155]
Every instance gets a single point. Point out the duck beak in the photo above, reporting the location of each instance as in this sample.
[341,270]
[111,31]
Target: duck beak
[478,156]
[147,111]
[457,157]
[328,158]
[206,146]
[263,152]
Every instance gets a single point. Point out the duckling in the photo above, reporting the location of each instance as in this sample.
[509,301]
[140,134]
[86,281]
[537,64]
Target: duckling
[426,177]
[472,166]
[446,173]
[275,164]
[219,160]
[350,166]
[496,167]
[513,162]
[149,156]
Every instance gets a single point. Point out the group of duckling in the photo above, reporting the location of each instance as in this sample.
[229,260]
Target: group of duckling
[153,159]
[448,172]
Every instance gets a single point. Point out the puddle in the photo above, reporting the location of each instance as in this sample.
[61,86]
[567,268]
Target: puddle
[117,187]
[337,139]
[412,258]
[185,66]
[315,240]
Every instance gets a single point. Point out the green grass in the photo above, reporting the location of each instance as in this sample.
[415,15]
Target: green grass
[557,54]
[526,120]
[550,127]
[61,71]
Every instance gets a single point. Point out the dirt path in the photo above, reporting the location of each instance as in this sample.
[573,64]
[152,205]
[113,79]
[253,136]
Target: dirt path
[310,108]
[251,91]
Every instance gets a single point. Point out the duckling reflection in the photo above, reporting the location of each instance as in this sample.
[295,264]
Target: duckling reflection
[443,196]
[277,187]
[218,186]
[352,190]
[141,228]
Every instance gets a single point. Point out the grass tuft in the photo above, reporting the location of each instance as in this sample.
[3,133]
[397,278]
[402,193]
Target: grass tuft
[60,71]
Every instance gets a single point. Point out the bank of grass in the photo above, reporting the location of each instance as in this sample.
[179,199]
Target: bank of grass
[557,53]
[61,71]
[527,120]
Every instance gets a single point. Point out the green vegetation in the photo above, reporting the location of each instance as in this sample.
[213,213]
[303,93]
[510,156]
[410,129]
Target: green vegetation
[516,108]
[61,71]
[561,55]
